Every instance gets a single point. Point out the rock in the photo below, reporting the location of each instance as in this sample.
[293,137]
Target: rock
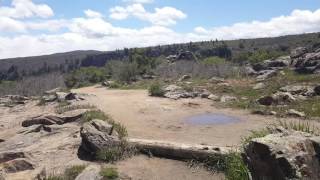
[204,94]
[298,52]
[214,97]
[259,86]
[54,119]
[227,98]
[8,156]
[298,89]
[102,126]
[317,90]
[283,97]
[263,75]
[275,64]
[284,155]
[173,87]
[53,91]
[61,96]
[295,113]
[266,100]
[250,71]
[38,128]
[94,141]
[1,140]
[17,165]
[90,173]
[264,112]
[185,77]
[216,80]
[2,175]
[49,98]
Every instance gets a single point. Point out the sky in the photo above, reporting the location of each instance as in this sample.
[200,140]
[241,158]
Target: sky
[38,27]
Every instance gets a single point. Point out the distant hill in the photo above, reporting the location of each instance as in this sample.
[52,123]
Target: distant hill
[65,62]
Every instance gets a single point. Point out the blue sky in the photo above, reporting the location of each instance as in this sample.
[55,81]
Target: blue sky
[50,26]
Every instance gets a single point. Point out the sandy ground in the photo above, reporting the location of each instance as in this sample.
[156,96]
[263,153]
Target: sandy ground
[165,119]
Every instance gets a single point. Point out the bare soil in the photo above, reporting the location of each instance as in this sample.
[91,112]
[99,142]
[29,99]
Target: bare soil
[165,119]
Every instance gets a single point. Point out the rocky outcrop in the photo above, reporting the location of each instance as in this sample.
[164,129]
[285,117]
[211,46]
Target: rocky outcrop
[12,100]
[8,156]
[273,64]
[266,74]
[60,97]
[279,98]
[54,119]
[304,61]
[177,92]
[284,155]
[298,90]
[94,140]
[17,165]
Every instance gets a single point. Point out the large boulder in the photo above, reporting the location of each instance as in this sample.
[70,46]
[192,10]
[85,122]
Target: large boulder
[265,74]
[317,90]
[284,155]
[298,52]
[94,140]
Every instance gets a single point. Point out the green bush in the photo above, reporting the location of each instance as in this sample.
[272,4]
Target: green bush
[109,173]
[85,77]
[156,90]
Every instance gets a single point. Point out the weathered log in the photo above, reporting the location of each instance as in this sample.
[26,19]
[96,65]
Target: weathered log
[177,151]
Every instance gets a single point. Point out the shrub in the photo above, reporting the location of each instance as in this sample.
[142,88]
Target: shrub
[85,76]
[109,173]
[236,169]
[156,90]
[123,71]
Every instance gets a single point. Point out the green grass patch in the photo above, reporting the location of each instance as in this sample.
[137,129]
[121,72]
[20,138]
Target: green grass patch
[97,114]
[70,173]
[108,173]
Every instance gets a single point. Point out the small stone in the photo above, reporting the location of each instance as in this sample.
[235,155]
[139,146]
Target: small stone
[214,97]
[259,86]
[295,113]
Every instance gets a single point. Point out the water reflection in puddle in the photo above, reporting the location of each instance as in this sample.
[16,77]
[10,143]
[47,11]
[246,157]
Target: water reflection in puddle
[211,119]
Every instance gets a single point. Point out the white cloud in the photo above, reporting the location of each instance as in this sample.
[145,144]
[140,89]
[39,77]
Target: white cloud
[26,9]
[94,32]
[299,21]
[165,16]
[93,14]
[10,25]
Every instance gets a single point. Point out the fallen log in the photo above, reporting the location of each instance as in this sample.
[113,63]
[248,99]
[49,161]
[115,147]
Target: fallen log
[95,141]
[177,151]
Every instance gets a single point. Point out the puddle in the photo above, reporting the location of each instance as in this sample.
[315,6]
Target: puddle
[212,119]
